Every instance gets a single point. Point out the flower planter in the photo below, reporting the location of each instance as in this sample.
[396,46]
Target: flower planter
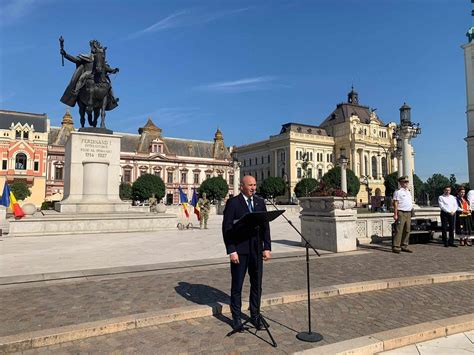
[329,223]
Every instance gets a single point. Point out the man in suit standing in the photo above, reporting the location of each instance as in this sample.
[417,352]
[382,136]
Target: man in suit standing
[242,245]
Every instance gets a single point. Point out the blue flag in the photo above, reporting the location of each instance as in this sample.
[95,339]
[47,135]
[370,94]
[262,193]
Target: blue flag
[6,196]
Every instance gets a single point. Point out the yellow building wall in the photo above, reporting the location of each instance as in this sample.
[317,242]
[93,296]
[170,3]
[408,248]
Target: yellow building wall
[38,191]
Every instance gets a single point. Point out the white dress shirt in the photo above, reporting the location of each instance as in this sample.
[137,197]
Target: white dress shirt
[403,196]
[447,203]
[470,198]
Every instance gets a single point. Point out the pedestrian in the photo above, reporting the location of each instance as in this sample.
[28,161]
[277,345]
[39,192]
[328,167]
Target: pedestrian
[448,205]
[463,215]
[402,211]
[246,246]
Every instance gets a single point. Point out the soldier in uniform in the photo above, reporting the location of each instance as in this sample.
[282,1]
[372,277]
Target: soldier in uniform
[402,211]
[152,201]
[204,209]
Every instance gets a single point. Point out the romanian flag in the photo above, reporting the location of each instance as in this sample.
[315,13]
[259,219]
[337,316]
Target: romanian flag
[194,203]
[184,201]
[9,200]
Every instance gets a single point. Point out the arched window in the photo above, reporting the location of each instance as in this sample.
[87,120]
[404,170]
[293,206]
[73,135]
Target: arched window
[20,161]
[384,167]
[366,165]
[374,167]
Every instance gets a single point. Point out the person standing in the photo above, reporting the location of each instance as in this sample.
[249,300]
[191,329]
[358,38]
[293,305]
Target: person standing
[244,245]
[463,217]
[402,210]
[204,208]
[448,205]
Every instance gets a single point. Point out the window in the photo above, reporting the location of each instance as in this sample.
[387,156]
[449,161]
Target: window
[262,159]
[184,178]
[374,167]
[4,164]
[18,135]
[208,176]
[170,177]
[268,159]
[25,135]
[196,178]
[366,165]
[268,173]
[384,167]
[20,161]
[157,172]
[127,176]
[309,173]
[143,172]
[58,173]
[256,161]
[263,175]
[231,179]
[298,173]
[320,173]
[297,155]
[245,162]
[36,165]
[250,162]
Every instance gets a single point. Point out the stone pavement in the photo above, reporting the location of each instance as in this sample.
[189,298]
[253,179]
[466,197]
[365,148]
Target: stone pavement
[456,344]
[43,305]
[336,318]
[47,254]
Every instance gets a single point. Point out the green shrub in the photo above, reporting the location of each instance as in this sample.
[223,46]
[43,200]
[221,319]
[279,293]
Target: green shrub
[332,179]
[215,188]
[147,185]
[305,187]
[20,190]
[125,191]
[272,187]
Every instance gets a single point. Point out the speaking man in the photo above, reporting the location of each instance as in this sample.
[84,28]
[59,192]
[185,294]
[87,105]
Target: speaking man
[243,245]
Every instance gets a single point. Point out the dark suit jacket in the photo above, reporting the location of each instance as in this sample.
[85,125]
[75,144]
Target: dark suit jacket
[239,238]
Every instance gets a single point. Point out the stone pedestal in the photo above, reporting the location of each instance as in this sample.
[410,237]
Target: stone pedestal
[92,174]
[329,223]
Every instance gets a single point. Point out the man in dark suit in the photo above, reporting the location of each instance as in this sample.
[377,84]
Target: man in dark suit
[242,245]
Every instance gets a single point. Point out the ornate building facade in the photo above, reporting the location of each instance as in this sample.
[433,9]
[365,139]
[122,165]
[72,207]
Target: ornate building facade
[352,130]
[179,162]
[23,150]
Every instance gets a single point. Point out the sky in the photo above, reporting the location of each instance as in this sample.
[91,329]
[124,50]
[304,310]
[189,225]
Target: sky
[247,67]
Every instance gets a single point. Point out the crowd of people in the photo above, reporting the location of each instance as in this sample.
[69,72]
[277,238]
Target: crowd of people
[456,216]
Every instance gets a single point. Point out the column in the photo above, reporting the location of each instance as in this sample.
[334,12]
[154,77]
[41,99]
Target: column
[406,153]
[362,163]
[469,70]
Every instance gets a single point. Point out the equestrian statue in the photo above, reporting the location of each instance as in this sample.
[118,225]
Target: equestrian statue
[90,86]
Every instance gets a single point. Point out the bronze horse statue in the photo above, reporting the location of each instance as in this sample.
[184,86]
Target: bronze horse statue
[90,86]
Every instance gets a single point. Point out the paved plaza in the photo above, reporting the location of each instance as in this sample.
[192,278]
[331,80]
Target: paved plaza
[195,272]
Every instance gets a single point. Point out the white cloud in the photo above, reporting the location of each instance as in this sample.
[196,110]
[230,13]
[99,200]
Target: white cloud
[13,10]
[184,18]
[243,85]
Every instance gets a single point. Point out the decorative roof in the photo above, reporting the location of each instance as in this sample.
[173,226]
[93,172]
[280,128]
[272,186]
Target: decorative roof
[38,121]
[345,110]
[150,127]
[303,128]
[218,135]
[67,118]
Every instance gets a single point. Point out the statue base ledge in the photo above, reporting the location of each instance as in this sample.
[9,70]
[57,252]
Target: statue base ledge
[95,130]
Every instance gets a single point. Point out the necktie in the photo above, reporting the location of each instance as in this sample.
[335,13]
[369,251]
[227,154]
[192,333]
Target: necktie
[249,203]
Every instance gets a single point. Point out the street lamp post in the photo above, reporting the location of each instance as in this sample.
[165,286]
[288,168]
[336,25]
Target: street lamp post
[365,181]
[288,185]
[343,163]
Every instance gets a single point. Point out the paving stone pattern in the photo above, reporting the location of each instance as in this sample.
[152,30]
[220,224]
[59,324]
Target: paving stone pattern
[54,305]
[337,319]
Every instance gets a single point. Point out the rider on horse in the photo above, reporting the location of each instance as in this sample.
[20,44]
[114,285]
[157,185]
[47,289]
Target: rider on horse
[84,72]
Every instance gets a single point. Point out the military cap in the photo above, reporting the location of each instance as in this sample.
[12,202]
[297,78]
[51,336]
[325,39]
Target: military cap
[403,178]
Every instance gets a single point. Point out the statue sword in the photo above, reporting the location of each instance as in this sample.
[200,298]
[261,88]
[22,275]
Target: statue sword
[61,45]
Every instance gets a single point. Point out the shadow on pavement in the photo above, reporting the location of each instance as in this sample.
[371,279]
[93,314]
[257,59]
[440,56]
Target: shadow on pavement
[292,243]
[201,294]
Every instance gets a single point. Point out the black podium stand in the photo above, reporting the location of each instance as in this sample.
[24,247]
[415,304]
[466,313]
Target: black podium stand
[255,220]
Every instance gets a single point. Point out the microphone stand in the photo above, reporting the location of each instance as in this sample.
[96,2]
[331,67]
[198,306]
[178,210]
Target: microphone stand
[308,336]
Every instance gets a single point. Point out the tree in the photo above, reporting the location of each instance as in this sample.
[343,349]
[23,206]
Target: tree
[391,183]
[20,190]
[305,186]
[272,187]
[215,188]
[419,187]
[435,185]
[146,185]
[125,191]
[332,179]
